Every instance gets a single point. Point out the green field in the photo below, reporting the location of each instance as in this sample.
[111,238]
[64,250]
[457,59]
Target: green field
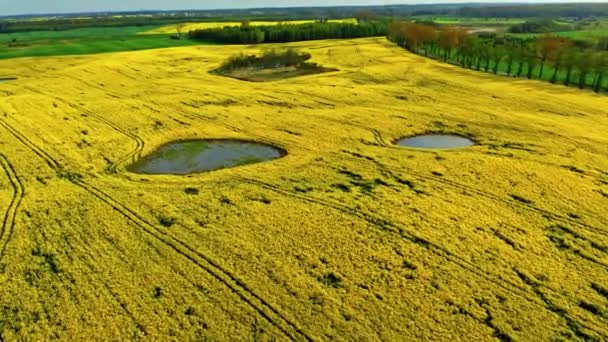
[473,21]
[576,35]
[84,41]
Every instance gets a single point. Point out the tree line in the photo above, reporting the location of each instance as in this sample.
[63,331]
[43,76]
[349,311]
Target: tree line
[551,58]
[283,33]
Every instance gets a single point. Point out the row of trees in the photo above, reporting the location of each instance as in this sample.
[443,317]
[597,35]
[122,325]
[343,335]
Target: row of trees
[567,61]
[283,33]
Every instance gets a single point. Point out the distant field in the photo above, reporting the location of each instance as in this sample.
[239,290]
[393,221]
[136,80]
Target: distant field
[597,29]
[472,21]
[347,237]
[578,35]
[171,29]
[84,41]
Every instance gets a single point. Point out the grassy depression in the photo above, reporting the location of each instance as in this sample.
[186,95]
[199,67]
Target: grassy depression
[346,237]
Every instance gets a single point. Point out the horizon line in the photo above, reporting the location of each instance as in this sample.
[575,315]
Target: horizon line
[296,7]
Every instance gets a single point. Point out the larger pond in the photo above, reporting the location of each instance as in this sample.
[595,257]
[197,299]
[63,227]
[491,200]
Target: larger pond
[186,157]
[436,141]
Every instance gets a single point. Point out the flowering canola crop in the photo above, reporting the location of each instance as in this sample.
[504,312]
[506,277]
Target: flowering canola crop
[346,237]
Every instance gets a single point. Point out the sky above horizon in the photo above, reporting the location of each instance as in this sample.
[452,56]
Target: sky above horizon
[12,7]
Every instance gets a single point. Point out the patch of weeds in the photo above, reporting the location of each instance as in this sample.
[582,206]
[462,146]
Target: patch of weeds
[437,173]
[157,124]
[405,182]
[602,291]
[347,316]
[158,292]
[331,279]
[363,286]
[351,175]
[201,223]
[189,311]
[71,176]
[264,200]
[167,221]
[409,265]
[292,132]
[342,187]
[594,309]
[50,260]
[574,216]
[316,298]
[517,146]
[303,189]
[83,143]
[84,132]
[573,168]
[505,239]
[359,155]
[521,199]
[191,191]
[401,97]
[226,200]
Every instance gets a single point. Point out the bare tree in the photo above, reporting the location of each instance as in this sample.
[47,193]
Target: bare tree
[180,28]
[584,65]
[570,60]
[600,65]
[548,47]
[364,16]
[556,59]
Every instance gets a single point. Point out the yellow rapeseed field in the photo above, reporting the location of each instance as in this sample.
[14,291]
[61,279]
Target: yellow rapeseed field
[348,237]
[186,27]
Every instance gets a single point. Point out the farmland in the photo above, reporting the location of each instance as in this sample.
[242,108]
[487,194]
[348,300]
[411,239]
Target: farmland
[185,27]
[84,41]
[348,236]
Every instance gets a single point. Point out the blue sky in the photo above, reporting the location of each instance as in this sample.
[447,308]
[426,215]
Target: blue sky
[10,7]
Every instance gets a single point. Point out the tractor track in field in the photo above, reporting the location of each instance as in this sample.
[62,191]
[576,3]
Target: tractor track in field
[139,142]
[132,156]
[10,216]
[513,203]
[196,116]
[522,291]
[379,140]
[203,262]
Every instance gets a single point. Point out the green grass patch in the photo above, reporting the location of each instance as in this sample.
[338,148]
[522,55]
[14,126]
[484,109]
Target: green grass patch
[84,41]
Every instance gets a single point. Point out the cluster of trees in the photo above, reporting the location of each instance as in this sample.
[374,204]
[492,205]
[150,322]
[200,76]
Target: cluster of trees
[567,61]
[539,26]
[283,33]
[269,60]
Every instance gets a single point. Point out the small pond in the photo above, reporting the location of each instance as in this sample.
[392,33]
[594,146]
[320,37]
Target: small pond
[436,141]
[186,157]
